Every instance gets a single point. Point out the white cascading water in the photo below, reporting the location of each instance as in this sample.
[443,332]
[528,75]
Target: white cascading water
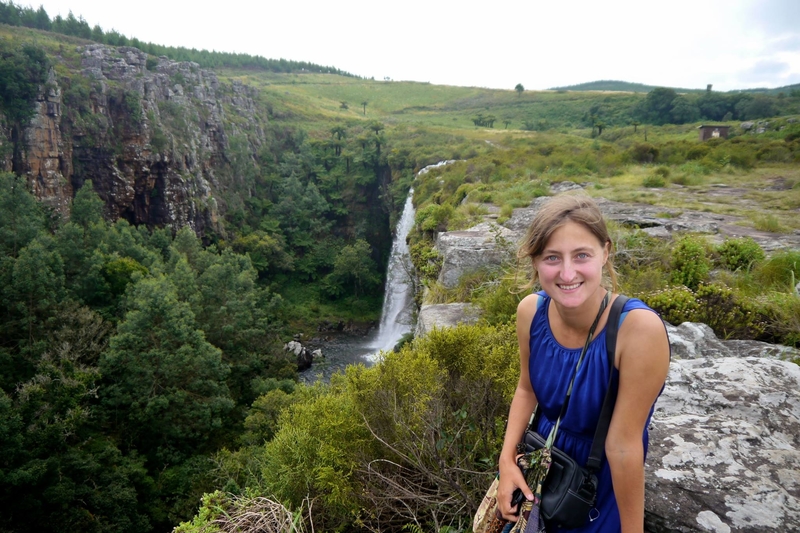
[397,315]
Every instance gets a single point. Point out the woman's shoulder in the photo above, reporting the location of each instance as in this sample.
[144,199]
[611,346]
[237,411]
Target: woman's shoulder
[527,307]
[635,303]
[639,322]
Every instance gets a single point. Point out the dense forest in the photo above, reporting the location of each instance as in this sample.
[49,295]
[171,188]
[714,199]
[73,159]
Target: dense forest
[142,368]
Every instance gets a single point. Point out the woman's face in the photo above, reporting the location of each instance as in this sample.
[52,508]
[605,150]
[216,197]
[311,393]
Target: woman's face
[571,265]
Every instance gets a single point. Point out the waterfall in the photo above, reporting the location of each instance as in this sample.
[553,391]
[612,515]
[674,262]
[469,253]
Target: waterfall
[397,315]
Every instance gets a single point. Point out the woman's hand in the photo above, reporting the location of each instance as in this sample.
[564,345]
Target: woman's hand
[511,479]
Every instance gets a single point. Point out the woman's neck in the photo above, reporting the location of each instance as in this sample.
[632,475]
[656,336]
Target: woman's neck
[575,323]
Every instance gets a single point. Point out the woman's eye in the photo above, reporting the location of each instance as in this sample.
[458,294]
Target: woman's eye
[551,258]
[583,255]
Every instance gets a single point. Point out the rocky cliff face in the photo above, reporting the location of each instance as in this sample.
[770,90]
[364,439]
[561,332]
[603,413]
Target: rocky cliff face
[151,134]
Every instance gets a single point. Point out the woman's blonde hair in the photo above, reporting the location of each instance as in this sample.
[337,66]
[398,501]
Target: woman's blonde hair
[555,213]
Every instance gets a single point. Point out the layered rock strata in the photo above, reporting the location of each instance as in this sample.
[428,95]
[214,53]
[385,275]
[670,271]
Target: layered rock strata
[150,133]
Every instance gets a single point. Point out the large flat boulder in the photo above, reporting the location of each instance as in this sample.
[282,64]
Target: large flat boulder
[725,438]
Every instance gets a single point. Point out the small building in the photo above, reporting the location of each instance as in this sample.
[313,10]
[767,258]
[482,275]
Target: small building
[713,132]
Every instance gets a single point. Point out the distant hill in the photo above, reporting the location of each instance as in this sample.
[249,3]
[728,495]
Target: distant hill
[614,85]
[626,86]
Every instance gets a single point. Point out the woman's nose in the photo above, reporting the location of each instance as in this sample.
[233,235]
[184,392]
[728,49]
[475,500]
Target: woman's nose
[567,270]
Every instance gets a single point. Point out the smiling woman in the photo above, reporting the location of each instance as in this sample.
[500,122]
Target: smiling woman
[569,246]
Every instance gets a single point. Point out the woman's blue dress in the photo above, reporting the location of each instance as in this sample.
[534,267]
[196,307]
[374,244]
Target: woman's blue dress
[551,366]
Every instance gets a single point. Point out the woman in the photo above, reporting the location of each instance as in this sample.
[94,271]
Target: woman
[569,247]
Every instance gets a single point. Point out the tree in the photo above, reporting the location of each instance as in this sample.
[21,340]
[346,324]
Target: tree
[520,89]
[21,216]
[364,105]
[87,206]
[58,473]
[353,265]
[38,281]
[684,111]
[635,125]
[657,105]
[164,384]
[599,125]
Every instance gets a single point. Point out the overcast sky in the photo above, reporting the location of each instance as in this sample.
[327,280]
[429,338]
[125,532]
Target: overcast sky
[733,44]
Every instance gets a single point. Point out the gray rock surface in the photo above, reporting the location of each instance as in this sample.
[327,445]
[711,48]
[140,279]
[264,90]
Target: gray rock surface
[725,438]
[665,221]
[445,315]
[478,247]
[724,448]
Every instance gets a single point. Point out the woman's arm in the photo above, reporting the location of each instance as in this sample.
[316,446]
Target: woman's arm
[643,362]
[519,414]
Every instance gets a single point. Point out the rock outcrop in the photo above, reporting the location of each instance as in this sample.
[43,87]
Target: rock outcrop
[488,244]
[445,315]
[463,251]
[725,443]
[153,136]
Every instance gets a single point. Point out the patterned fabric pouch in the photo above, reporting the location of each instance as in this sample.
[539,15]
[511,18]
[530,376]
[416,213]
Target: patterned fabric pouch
[534,466]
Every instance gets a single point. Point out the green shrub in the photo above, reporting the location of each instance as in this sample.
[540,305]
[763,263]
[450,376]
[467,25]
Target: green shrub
[690,262]
[728,313]
[783,310]
[315,453]
[433,217]
[699,151]
[426,260]
[780,272]
[643,153]
[499,299]
[653,180]
[675,304]
[742,253]
[220,511]
[662,171]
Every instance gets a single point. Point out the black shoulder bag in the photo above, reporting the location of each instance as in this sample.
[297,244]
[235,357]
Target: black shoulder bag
[569,491]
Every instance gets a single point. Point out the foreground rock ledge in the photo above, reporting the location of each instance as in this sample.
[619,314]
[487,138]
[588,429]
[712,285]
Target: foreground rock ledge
[724,448]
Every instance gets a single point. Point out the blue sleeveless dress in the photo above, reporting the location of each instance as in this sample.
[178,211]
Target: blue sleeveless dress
[551,366]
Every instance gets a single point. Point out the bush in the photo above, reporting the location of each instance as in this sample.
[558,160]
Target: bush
[698,151]
[675,304]
[426,260]
[780,272]
[662,171]
[736,254]
[728,313]
[643,153]
[783,311]
[433,217]
[690,262]
[653,181]
[226,512]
